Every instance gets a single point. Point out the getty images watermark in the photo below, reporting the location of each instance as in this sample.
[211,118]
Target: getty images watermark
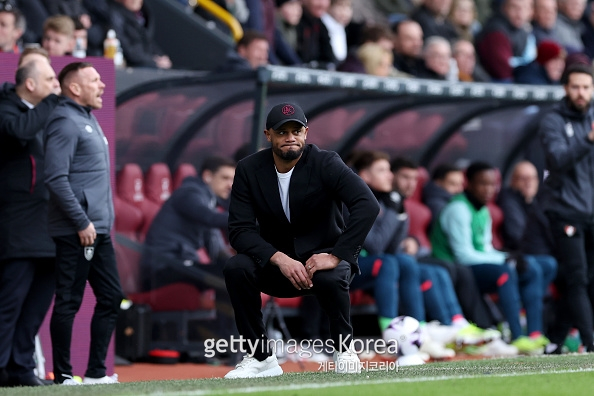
[305,349]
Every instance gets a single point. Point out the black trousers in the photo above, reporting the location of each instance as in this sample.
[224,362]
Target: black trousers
[26,291]
[246,280]
[470,299]
[574,252]
[202,276]
[74,268]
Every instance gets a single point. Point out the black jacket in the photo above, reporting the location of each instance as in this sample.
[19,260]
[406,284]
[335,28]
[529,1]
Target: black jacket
[182,226]
[320,184]
[568,191]
[436,198]
[77,171]
[23,196]
[313,40]
[136,39]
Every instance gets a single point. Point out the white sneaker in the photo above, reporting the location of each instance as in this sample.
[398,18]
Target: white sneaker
[410,360]
[70,381]
[250,367]
[100,381]
[347,363]
[440,333]
[498,347]
[436,350]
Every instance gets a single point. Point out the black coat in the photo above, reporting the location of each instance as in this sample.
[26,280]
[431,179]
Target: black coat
[23,196]
[320,184]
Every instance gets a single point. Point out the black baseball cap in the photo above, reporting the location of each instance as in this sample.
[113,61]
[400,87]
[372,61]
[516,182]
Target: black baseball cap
[283,113]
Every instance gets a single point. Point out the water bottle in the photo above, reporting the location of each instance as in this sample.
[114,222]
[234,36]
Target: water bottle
[79,49]
[112,49]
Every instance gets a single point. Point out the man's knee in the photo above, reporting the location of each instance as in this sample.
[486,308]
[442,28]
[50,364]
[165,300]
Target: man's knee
[239,264]
[333,279]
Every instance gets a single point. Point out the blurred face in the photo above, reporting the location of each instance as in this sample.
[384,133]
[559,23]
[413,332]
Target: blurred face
[86,88]
[453,182]
[463,13]
[405,181]
[554,68]
[57,44]
[384,67]
[465,57]
[288,141]
[378,176]
[132,5]
[342,13]
[317,8]
[409,40]
[291,12]
[525,180]
[579,91]
[43,81]
[221,181]
[386,44]
[439,7]
[256,53]
[545,13]
[437,58]
[483,186]
[518,12]
[9,34]
[573,9]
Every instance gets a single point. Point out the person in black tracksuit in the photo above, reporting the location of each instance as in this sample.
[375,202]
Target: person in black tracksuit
[26,250]
[80,219]
[567,136]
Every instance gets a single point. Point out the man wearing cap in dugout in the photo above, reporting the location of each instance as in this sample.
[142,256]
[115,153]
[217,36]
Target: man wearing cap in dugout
[286,224]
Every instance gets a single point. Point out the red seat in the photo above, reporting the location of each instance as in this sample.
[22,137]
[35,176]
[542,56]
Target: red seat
[128,218]
[497,225]
[157,183]
[183,171]
[422,179]
[420,219]
[291,302]
[130,183]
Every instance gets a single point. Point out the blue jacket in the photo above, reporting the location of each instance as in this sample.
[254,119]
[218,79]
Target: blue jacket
[77,171]
[183,225]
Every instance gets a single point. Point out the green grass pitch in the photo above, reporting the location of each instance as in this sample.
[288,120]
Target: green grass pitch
[548,375]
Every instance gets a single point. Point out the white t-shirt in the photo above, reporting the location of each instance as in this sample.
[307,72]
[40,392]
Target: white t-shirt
[284,179]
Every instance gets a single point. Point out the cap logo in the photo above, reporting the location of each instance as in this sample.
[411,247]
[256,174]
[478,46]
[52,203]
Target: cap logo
[288,110]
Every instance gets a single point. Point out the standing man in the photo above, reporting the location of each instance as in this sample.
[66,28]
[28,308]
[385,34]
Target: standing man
[286,224]
[80,220]
[26,249]
[567,136]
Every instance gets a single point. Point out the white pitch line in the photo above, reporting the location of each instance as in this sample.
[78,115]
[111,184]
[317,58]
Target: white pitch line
[293,387]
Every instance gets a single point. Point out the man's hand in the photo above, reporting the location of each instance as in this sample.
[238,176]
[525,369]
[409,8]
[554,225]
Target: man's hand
[293,270]
[88,235]
[410,246]
[320,262]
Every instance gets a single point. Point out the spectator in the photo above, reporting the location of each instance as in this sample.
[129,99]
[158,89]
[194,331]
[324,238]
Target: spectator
[58,35]
[288,15]
[133,24]
[437,55]
[27,253]
[569,25]
[81,40]
[446,181]
[72,8]
[313,40]
[463,17]
[463,234]
[377,61]
[13,26]
[465,56]
[546,69]
[505,42]
[566,135]
[408,47]
[545,20]
[185,241]
[80,221]
[432,16]
[337,18]
[371,34]
[390,7]
[519,202]
[588,34]
[251,53]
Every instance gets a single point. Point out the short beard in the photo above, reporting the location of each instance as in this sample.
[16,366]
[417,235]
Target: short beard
[288,156]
